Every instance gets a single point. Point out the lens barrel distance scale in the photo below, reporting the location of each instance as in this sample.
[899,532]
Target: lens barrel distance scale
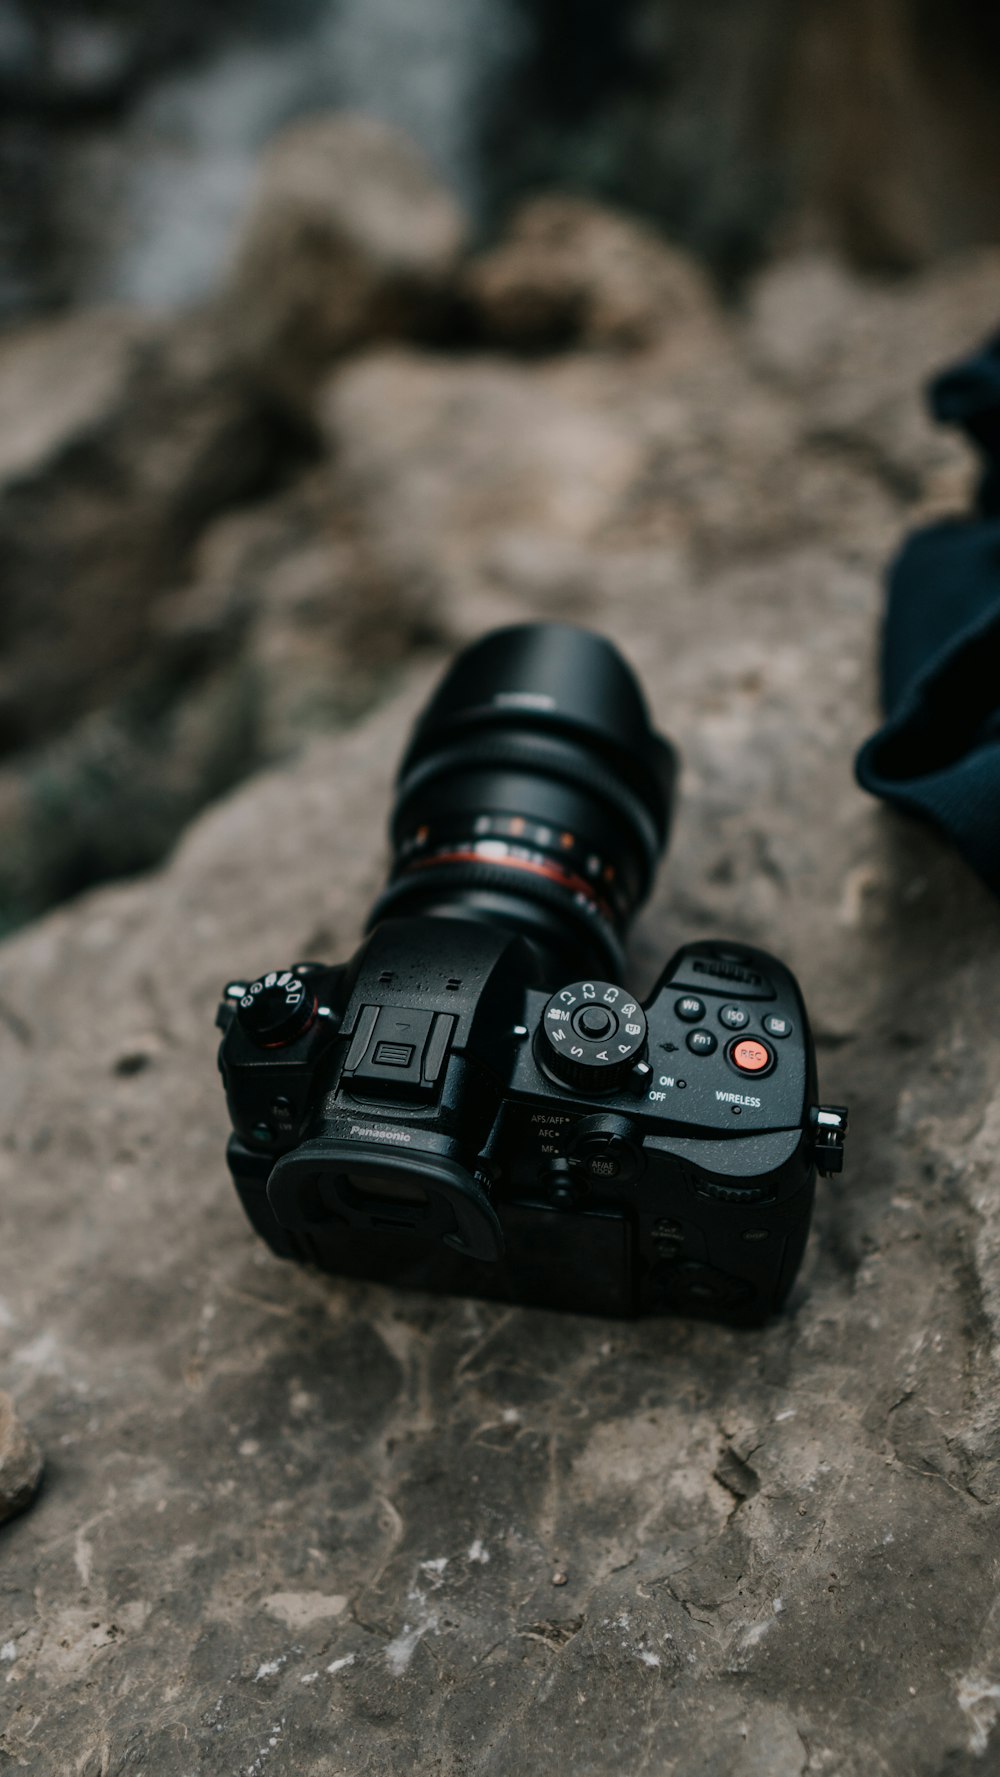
[439,1114]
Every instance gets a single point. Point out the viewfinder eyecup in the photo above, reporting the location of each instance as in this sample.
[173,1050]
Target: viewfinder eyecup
[326,1181]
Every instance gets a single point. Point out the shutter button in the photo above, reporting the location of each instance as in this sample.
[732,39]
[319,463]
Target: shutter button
[751,1056]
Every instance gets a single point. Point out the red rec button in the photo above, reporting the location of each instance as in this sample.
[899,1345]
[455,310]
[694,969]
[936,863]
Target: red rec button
[750,1056]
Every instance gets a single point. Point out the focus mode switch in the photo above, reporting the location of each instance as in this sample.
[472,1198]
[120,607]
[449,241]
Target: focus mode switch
[398,1052]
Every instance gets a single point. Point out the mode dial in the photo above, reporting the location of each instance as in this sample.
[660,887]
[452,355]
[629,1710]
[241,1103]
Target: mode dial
[276,1009]
[591,1036]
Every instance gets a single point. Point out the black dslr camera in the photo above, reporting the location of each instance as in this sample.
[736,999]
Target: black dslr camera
[475,1103]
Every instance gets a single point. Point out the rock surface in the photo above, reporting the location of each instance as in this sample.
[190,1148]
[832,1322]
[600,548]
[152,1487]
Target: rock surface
[141,597]
[129,127]
[350,239]
[285,626]
[121,437]
[20,1462]
[572,270]
[296,1526]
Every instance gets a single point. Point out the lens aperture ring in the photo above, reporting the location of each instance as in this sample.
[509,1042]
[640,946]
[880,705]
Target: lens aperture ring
[541,755]
[520,842]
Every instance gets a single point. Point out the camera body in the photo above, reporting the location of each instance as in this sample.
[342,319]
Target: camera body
[436,1118]
[475,1103]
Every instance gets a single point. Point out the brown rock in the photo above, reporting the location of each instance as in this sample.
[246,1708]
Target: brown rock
[571,270]
[286,626]
[349,238]
[466,475]
[857,353]
[120,438]
[59,380]
[738,1513]
[21,1462]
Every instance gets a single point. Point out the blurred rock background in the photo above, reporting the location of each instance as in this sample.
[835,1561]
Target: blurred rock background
[334,333]
[205,210]
[130,131]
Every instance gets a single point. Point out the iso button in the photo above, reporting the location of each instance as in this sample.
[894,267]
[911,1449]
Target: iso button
[734,1017]
[591,1036]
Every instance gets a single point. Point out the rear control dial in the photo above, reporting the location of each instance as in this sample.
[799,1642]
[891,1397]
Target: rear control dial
[591,1036]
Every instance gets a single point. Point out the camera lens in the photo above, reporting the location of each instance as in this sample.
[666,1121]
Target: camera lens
[534,794]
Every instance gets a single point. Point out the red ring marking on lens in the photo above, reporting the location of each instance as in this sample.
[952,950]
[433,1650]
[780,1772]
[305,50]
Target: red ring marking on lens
[560,877]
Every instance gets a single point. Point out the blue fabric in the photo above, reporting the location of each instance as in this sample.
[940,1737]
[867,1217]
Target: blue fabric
[938,753]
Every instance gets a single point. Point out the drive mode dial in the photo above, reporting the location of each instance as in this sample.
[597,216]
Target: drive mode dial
[592,1035]
[276,1009]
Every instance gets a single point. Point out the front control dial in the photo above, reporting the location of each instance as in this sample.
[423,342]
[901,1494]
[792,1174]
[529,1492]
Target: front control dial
[591,1036]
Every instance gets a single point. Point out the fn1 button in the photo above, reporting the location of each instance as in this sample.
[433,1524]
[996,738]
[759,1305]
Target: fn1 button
[700,1042]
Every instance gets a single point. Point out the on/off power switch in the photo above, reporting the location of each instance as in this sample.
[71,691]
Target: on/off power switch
[750,1056]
